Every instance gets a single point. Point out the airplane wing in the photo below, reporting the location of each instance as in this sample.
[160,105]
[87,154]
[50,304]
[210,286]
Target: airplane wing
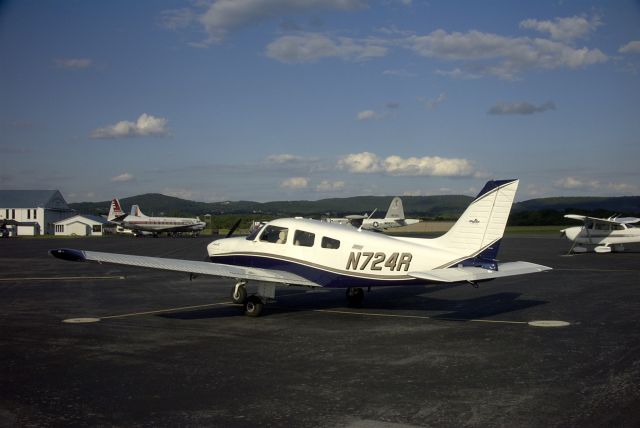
[613,220]
[473,274]
[188,266]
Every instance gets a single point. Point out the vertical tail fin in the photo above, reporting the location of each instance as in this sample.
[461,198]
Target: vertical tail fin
[480,228]
[395,211]
[115,210]
[136,211]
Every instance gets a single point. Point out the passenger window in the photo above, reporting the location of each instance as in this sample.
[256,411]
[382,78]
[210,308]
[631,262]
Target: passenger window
[274,234]
[330,243]
[303,239]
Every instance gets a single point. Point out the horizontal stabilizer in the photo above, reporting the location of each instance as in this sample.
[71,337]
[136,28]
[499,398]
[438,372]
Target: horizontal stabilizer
[188,266]
[472,273]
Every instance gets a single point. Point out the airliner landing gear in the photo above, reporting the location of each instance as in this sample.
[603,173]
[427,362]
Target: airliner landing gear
[239,292]
[355,296]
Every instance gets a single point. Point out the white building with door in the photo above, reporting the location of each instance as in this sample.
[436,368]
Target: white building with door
[81,225]
[32,212]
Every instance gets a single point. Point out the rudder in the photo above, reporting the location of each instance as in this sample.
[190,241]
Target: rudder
[483,222]
[396,210]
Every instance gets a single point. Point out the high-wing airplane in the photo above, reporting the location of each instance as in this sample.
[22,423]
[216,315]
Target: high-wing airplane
[393,218]
[311,253]
[604,234]
[141,224]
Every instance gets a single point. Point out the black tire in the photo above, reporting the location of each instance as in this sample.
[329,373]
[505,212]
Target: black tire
[240,296]
[253,306]
[355,295]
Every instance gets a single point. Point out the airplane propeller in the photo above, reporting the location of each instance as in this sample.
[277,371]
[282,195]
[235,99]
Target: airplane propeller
[233,228]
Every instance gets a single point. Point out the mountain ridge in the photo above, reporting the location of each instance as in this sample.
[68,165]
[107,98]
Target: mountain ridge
[446,206]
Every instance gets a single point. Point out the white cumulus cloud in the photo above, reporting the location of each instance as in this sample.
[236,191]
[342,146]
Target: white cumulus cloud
[434,166]
[329,186]
[522,108]
[564,29]
[146,125]
[367,115]
[364,162]
[311,47]
[433,103]
[573,183]
[501,56]
[632,47]
[227,15]
[122,178]
[295,183]
[73,63]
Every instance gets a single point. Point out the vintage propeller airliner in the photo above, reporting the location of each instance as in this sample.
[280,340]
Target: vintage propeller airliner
[311,253]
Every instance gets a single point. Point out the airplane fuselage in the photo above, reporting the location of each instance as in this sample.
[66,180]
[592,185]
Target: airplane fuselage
[163,224]
[331,255]
[623,234]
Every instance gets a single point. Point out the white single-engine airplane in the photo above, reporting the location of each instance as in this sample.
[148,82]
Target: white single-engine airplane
[393,218]
[601,233]
[311,253]
[141,224]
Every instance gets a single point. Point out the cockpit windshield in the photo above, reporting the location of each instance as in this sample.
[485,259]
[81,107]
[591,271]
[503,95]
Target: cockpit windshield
[255,229]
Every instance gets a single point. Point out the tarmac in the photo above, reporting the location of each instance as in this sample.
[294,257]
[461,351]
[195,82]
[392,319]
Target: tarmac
[99,345]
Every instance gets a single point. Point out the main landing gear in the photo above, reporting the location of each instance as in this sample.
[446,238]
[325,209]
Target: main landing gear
[355,295]
[253,304]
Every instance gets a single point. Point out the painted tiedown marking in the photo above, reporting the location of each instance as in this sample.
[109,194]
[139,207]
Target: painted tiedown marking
[62,278]
[328,311]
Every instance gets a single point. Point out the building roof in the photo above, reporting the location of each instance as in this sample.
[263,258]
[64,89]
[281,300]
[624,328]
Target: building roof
[51,199]
[79,217]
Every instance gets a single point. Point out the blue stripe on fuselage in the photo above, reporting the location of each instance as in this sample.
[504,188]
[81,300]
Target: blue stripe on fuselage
[319,276]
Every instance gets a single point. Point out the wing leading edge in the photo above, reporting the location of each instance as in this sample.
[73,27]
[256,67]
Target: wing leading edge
[473,274]
[188,266]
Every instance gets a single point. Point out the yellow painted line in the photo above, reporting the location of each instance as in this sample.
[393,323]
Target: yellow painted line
[596,270]
[159,311]
[375,314]
[62,278]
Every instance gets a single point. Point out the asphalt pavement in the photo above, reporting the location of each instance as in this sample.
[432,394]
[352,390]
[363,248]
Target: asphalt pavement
[96,345]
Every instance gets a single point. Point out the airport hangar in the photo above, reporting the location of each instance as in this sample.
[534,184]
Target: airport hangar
[37,212]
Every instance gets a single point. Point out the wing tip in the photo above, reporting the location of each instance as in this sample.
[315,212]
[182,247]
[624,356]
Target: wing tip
[68,254]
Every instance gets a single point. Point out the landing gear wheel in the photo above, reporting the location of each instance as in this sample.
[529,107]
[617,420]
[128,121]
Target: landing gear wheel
[253,306]
[239,294]
[355,296]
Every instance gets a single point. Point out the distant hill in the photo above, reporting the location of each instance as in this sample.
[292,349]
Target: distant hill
[446,207]
[162,205]
[621,204]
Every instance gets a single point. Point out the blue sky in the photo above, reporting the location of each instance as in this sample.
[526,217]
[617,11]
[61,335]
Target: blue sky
[309,99]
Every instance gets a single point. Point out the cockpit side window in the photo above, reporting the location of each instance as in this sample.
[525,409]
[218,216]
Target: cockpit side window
[330,243]
[304,239]
[274,234]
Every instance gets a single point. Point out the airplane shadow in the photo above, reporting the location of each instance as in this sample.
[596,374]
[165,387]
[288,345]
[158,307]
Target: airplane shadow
[401,299]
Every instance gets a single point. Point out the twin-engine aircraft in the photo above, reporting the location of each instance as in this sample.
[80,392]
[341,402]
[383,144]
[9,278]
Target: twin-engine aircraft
[311,253]
[141,224]
[393,218]
[603,234]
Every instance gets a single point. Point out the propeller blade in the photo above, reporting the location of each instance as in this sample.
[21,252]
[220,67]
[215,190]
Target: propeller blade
[233,228]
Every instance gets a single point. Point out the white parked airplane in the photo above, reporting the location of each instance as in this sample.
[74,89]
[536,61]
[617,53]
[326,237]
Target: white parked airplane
[141,224]
[601,233]
[393,218]
[312,253]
